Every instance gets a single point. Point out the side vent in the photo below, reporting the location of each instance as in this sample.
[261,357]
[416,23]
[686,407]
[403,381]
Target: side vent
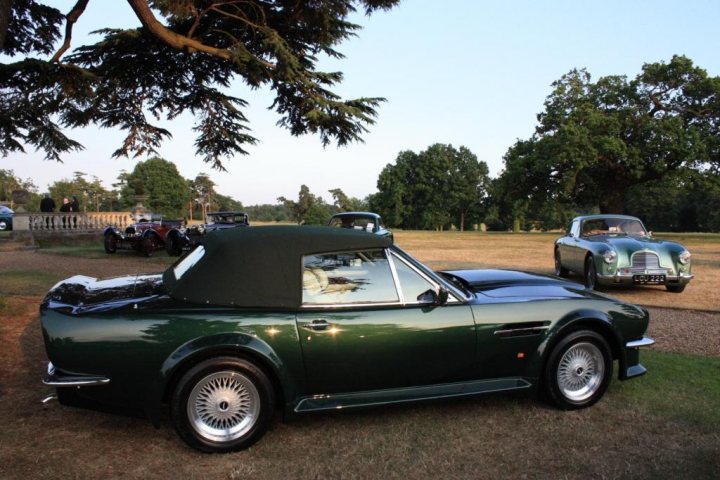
[523,329]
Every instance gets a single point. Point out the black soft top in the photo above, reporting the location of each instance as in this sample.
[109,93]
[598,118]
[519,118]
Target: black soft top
[260,266]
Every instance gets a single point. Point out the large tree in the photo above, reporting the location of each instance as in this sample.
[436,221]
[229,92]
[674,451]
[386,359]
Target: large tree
[597,140]
[432,189]
[183,57]
[167,191]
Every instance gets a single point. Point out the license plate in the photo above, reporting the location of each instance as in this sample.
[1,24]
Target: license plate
[645,279]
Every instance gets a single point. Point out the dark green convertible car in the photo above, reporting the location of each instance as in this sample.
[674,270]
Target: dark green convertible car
[304,319]
[619,250]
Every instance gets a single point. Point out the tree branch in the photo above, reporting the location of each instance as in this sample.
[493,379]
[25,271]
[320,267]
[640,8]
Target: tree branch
[71,18]
[172,39]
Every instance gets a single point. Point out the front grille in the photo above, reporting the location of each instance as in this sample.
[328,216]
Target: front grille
[643,261]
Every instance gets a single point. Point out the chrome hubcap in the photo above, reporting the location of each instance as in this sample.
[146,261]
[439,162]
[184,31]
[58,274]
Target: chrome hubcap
[581,371]
[223,406]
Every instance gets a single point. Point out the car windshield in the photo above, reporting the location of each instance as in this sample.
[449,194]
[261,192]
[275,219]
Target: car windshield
[613,226]
[356,223]
[228,218]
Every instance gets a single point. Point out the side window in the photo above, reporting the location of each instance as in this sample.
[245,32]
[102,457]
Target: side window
[348,277]
[412,283]
[575,229]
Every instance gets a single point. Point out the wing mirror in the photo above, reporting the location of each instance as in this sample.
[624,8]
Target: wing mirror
[431,297]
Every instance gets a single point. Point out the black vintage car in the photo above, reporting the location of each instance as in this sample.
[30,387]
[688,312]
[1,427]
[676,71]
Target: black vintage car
[182,239]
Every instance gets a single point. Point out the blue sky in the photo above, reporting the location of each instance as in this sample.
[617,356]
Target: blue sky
[464,72]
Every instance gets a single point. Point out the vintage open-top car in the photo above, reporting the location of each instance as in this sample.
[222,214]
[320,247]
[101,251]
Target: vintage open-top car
[315,318]
[181,239]
[365,221]
[619,250]
[144,236]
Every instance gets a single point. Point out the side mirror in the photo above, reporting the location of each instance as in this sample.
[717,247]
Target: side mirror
[431,297]
[650,233]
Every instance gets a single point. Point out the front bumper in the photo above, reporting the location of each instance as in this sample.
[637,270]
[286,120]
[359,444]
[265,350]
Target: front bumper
[632,367]
[629,278]
[55,379]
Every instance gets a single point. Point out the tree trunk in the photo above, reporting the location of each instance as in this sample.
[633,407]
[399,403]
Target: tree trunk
[5,7]
[462,221]
[613,202]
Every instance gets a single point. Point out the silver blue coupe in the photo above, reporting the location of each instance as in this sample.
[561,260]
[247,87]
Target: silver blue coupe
[619,250]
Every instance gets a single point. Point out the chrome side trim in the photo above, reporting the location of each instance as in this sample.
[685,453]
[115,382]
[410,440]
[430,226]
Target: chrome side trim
[521,331]
[643,342]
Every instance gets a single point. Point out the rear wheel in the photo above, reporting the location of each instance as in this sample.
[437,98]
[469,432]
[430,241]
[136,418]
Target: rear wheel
[590,273]
[110,243]
[560,271]
[172,246]
[3,225]
[578,370]
[149,245]
[222,404]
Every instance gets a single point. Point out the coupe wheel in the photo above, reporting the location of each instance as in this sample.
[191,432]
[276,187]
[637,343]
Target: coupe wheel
[578,370]
[590,273]
[560,271]
[675,288]
[149,244]
[222,404]
[110,244]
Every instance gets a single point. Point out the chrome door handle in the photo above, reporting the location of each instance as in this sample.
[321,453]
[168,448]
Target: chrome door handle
[316,325]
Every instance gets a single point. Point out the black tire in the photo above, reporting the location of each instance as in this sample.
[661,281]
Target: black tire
[222,404]
[578,371]
[172,246]
[110,243]
[149,245]
[590,280]
[675,288]
[560,271]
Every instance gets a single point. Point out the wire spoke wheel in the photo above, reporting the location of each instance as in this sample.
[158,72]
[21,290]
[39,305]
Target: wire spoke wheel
[223,406]
[581,371]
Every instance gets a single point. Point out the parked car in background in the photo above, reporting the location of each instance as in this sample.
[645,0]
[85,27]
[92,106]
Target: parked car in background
[182,239]
[619,250]
[6,218]
[365,221]
[315,318]
[145,236]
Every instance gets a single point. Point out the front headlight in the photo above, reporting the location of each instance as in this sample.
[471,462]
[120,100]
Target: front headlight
[685,257]
[610,256]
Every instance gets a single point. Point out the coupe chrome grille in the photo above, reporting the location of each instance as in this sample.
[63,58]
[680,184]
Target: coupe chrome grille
[644,261]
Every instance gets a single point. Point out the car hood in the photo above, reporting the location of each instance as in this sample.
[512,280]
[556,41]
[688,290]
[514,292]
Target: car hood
[514,284]
[633,244]
[81,294]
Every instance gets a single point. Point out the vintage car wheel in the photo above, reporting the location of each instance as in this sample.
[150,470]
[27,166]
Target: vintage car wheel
[578,370]
[110,243]
[222,404]
[149,244]
[675,288]
[560,271]
[590,273]
[172,246]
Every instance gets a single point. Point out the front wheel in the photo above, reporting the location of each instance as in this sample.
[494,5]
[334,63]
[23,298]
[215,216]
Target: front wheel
[172,246]
[3,225]
[149,244]
[222,404]
[590,273]
[578,370]
[111,242]
[675,288]
[560,271]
